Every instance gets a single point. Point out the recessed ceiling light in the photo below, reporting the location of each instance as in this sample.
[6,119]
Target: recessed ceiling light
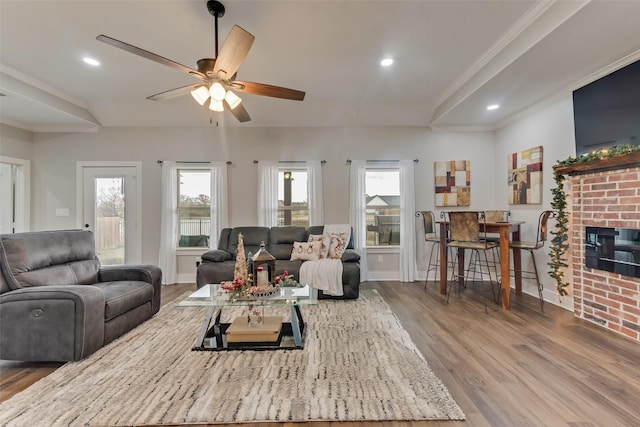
[386,62]
[493,107]
[91,61]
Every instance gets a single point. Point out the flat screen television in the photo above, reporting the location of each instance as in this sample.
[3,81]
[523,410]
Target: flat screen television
[607,112]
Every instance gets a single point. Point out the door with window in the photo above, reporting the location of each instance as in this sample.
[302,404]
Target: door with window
[110,209]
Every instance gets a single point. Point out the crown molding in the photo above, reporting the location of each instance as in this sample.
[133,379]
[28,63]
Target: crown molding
[15,124]
[567,90]
[456,128]
[14,86]
[26,79]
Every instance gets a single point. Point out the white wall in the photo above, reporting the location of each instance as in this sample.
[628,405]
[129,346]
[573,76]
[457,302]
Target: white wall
[16,151]
[55,157]
[552,128]
[16,142]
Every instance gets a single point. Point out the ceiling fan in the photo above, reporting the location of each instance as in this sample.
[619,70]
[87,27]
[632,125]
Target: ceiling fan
[217,75]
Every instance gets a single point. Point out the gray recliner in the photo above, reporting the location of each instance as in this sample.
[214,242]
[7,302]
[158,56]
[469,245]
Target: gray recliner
[58,304]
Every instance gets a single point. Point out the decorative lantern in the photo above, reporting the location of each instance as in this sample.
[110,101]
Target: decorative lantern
[263,262]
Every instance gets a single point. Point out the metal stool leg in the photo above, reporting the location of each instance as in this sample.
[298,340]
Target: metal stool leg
[434,247]
[540,286]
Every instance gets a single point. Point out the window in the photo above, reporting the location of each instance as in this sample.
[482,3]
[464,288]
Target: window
[293,200]
[382,188]
[194,207]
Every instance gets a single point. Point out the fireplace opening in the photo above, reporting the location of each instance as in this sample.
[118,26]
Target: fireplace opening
[613,249]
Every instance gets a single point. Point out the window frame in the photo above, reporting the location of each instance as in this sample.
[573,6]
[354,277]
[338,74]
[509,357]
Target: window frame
[192,169]
[283,169]
[393,226]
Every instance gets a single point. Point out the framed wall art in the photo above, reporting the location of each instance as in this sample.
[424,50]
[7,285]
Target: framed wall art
[453,183]
[524,177]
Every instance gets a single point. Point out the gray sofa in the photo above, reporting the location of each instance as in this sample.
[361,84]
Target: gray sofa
[218,265]
[58,304]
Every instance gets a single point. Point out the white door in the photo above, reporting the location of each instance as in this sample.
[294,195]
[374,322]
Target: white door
[7,197]
[14,195]
[110,210]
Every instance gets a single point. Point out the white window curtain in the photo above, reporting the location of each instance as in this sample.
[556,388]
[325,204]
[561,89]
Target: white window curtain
[357,213]
[168,222]
[268,193]
[407,222]
[314,191]
[219,204]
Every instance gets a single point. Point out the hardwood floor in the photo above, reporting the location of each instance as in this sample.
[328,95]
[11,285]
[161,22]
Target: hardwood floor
[504,368]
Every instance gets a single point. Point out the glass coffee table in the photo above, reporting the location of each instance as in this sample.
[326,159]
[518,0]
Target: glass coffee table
[218,336]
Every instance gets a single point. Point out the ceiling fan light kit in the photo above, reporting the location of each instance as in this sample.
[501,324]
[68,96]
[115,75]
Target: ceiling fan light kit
[217,92]
[216,75]
[201,94]
[232,99]
[216,105]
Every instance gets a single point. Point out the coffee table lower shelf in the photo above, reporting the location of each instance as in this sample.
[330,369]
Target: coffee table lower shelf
[213,337]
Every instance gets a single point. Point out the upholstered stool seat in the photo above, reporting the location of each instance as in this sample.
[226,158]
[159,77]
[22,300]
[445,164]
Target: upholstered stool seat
[464,233]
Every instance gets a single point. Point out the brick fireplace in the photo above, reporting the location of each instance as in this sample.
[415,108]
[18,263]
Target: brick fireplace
[604,193]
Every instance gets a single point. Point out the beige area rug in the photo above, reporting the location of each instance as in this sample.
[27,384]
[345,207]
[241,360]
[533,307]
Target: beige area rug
[358,364]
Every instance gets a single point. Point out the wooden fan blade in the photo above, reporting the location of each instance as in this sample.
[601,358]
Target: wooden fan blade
[233,51]
[267,90]
[239,112]
[152,56]
[173,93]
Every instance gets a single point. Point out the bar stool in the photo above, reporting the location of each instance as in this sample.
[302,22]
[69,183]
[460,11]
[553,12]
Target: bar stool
[531,247]
[431,236]
[464,233]
[496,216]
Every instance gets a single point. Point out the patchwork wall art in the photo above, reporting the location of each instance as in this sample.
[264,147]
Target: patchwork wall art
[524,177]
[453,183]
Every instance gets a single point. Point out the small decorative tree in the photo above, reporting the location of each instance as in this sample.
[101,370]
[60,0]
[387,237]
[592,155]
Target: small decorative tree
[240,272]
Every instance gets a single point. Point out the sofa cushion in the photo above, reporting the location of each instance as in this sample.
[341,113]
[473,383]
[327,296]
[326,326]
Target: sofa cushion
[252,237]
[217,255]
[319,229]
[291,267]
[324,241]
[306,251]
[337,246]
[281,240]
[122,296]
[223,241]
[4,286]
[350,255]
[74,273]
[71,252]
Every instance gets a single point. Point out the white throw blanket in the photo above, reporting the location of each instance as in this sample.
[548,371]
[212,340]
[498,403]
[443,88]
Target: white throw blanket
[326,274]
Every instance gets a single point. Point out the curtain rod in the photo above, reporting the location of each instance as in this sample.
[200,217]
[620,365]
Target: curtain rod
[192,162]
[255,162]
[384,161]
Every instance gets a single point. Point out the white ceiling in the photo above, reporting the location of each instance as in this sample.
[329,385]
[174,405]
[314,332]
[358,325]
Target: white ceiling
[452,59]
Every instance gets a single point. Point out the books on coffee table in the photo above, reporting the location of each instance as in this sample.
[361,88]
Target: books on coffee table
[241,332]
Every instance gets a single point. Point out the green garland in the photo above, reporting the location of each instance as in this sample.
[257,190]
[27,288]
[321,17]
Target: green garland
[605,153]
[559,244]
